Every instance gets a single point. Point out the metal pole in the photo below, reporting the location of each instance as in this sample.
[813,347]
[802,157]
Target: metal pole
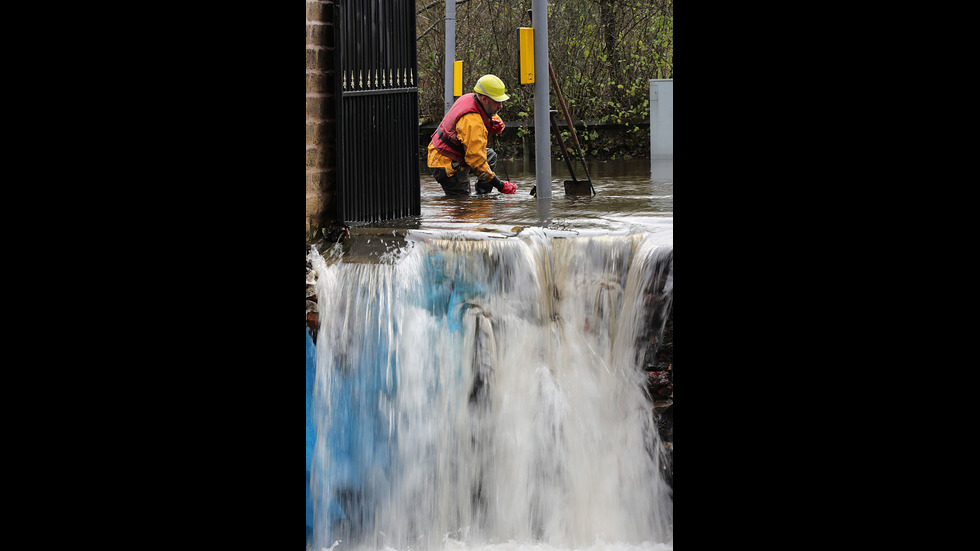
[450,52]
[542,132]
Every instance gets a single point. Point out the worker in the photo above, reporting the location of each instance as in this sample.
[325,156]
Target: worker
[459,144]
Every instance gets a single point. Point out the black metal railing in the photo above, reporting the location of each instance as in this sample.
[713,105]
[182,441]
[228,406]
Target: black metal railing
[377,115]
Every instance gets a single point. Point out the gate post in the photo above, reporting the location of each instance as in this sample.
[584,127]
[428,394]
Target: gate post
[320,112]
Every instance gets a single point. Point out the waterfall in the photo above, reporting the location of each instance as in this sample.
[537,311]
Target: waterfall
[489,392]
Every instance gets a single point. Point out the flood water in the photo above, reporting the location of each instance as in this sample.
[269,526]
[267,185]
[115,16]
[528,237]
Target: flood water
[630,195]
[475,384]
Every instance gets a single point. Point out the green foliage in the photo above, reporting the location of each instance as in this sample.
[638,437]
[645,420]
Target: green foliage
[603,52]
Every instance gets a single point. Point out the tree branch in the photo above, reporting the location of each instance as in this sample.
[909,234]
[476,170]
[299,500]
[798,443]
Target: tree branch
[437,2]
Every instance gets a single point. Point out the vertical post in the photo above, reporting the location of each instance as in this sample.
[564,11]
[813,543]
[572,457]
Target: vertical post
[450,52]
[542,130]
[662,129]
[662,118]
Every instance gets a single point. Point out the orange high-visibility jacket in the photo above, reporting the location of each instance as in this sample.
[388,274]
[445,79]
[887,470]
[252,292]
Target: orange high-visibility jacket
[462,136]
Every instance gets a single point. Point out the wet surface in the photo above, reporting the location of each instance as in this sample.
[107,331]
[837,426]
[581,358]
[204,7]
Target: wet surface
[630,195]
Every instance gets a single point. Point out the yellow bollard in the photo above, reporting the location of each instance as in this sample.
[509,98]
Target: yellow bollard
[457,78]
[526,52]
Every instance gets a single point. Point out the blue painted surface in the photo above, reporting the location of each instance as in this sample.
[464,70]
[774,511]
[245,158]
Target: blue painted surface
[310,428]
[356,434]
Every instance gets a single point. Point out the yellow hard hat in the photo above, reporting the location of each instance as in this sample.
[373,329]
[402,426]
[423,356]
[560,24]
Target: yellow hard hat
[492,87]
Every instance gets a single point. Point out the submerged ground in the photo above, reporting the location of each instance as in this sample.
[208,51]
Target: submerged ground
[630,196]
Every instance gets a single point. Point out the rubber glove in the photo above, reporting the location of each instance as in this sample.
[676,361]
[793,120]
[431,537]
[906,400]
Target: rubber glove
[509,188]
[496,126]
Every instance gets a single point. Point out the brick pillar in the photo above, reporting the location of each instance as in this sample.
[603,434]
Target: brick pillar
[320,113]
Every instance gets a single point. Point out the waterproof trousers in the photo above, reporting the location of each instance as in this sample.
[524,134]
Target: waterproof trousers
[459,182]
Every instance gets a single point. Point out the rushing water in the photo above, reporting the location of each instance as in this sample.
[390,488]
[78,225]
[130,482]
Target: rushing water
[478,384]
[630,194]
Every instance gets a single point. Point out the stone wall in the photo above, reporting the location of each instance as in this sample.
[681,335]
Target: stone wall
[320,109]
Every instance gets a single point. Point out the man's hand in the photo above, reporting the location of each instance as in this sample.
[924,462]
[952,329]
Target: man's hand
[509,188]
[496,126]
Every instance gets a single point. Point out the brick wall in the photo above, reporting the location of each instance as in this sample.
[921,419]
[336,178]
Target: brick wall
[320,108]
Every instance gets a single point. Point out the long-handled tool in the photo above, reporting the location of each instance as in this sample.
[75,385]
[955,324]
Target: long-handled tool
[573,186]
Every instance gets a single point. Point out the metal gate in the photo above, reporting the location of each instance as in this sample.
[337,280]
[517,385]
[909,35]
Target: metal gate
[377,115]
